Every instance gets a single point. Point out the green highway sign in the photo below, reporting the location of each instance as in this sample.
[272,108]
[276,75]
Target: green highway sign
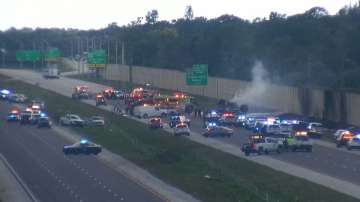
[27,55]
[198,75]
[96,58]
[52,55]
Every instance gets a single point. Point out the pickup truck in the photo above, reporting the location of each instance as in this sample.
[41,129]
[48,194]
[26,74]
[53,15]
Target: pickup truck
[263,145]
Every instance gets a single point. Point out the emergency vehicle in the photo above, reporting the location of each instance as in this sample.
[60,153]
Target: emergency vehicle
[343,138]
[100,99]
[81,92]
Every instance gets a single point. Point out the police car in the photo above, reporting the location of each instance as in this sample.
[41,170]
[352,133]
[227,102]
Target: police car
[353,143]
[214,130]
[300,141]
[227,118]
[82,147]
[212,117]
[13,115]
[44,121]
[5,94]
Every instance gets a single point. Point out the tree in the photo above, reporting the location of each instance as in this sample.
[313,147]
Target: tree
[189,13]
[151,17]
[276,16]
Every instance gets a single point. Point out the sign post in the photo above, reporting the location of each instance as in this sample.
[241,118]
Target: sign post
[52,55]
[198,75]
[96,59]
[27,56]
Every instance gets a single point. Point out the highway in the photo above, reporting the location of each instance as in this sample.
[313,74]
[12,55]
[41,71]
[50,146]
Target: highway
[36,155]
[332,162]
[337,163]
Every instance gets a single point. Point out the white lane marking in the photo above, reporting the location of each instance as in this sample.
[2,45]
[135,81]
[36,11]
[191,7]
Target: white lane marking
[109,190]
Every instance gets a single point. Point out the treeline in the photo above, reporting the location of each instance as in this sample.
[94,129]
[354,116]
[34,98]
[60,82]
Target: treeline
[313,48]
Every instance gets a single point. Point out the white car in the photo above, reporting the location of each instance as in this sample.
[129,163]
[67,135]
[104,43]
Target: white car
[353,143]
[96,121]
[146,111]
[182,129]
[71,120]
[286,129]
[18,98]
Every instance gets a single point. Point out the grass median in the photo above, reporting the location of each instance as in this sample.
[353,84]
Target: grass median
[183,163]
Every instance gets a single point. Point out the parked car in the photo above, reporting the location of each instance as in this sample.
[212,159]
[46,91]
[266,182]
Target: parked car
[71,120]
[181,129]
[18,98]
[146,111]
[353,143]
[155,123]
[96,121]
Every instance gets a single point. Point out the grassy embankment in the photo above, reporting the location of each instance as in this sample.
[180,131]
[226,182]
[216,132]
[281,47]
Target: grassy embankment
[184,163]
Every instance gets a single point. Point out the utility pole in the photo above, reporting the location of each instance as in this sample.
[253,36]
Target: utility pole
[72,49]
[3,52]
[87,44]
[122,53]
[78,46]
[21,48]
[34,48]
[116,51]
[108,51]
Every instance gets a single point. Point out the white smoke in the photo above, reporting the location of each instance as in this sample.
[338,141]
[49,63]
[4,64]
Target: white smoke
[253,93]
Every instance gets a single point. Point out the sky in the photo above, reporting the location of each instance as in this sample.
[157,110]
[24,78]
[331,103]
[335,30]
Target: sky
[91,14]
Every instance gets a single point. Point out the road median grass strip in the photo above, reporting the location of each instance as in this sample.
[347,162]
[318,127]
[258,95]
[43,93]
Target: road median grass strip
[206,173]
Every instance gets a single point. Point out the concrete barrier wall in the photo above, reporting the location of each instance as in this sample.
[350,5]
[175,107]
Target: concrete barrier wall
[353,111]
[281,98]
[277,97]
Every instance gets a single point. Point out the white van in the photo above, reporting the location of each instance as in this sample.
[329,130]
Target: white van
[149,111]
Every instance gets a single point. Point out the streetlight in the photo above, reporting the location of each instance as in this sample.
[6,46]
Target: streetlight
[3,52]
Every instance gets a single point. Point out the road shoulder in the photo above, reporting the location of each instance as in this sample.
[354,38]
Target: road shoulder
[12,188]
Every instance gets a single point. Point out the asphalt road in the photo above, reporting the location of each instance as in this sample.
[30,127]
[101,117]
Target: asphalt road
[36,155]
[332,162]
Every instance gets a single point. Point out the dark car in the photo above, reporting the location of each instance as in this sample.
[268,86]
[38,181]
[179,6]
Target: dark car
[155,123]
[82,147]
[25,117]
[100,100]
[214,130]
[44,121]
